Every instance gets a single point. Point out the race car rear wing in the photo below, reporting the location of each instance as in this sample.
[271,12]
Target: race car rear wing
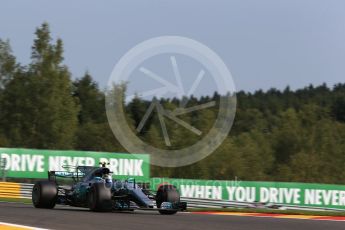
[76,176]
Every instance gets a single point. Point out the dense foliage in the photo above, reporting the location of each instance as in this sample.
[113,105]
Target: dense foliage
[277,135]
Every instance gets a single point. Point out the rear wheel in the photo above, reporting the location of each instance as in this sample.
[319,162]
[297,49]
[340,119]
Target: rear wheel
[44,194]
[167,193]
[99,198]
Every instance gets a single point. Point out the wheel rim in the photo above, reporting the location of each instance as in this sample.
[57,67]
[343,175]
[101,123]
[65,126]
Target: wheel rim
[35,195]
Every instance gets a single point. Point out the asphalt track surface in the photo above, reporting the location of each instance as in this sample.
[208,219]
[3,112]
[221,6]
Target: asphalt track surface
[63,217]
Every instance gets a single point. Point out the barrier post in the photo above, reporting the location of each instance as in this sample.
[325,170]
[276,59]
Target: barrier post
[3,169]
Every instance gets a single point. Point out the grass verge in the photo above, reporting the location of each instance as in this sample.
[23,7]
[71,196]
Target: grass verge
[246,210]
[17,200]
[269,211]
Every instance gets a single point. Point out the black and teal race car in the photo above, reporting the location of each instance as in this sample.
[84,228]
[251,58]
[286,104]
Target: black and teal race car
[94,188]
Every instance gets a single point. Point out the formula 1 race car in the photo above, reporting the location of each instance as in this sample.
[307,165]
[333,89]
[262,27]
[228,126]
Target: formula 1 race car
[94,188]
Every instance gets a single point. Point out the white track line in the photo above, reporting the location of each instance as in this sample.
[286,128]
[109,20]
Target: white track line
[21,226]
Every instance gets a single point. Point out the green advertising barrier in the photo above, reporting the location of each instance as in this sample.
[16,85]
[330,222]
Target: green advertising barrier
[300,194]
[34,163]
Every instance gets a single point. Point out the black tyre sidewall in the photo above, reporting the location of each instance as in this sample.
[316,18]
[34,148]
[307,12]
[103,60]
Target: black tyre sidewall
[44,194]
[99,198]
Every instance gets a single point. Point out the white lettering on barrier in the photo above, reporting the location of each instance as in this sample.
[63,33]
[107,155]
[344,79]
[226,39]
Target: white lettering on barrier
[342,198]
[319,197]
[327,195]
[231,191]
[201,191]
[125,167]
[15,159]
[36,163]
[23,162]
[309,196]
[288,194]
[335,197]
[6,157]
[56,162]
[264,195]
[138,167]
[324,197]
[242,194]
[280,195]
[217,192]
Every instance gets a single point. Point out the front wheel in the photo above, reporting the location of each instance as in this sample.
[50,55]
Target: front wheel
[167,193]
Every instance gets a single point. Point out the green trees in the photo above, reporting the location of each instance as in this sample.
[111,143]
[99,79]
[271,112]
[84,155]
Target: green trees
[91,100]
[338,108]
[277,135]
[51,84]
[287,136]
[8,68]
[38,107]
[93,132]
[7,64]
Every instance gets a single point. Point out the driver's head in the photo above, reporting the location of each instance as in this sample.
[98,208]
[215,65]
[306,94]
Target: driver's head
[107,178]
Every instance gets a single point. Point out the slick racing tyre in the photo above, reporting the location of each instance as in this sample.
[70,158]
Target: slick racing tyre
[44,194]
[167,193]
[99,198]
